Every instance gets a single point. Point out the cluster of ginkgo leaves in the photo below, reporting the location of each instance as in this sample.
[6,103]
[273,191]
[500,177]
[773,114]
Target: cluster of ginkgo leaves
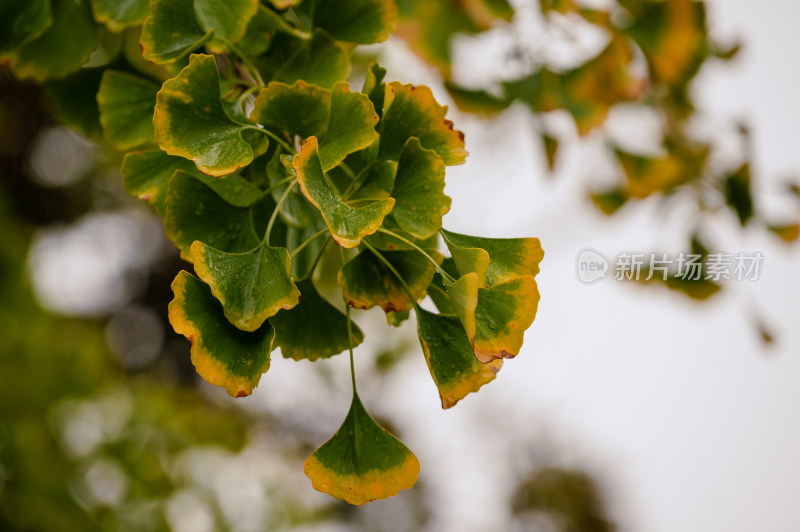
[251,145]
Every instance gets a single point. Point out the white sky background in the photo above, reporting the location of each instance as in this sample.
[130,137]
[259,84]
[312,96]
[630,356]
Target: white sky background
[689,422]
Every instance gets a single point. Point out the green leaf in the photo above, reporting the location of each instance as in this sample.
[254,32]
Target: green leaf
[119,14]
[252,286]
[509,258]
[62,48]
[609,200]
[347,225]
[503,313]
[75,101]
[343,121]
[285,4]
[145,174]
[366,281]
[454,368]
[361,462]
[228,19]
[295,211]
[312,329]
[126,104]
[374,87]
[476,101]
[299,109]
[260,31]
[419,191]
[195,212]
[21,22]
[319,61]
[410,111]
[222,354]
[738,193]
[172,31]
[190,121]
[357,21]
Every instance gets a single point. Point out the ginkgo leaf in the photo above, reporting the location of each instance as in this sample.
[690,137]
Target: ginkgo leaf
[313,328]
[285,4]
[374,87]
[146,173]
[300,109]
[411,111]
[366,281]
[118,15]
[22,21]
[74,98]
[191,122]
[347,225]
[420,201]
[222,354]
[357,21]
[452,364]
[320,60]
[343,121]
[252,286]
[647,175]
[361,462]
[126,104]
[508,257]
[63,47]
[171,31]
[195,212]
[228,19]
[503,313]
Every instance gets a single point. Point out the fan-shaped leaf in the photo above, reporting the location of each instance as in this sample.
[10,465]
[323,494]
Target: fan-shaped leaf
[347,225]
[410,111]
[453,366]
[312,329]
[252,286]
[126,104]
[419,191]
[366,281]
[228,19]
[357,21]
[171,31]
[195,212]
[190,122]
[222,354]
[119,14]
[362,462]
[508,257]
[22,21]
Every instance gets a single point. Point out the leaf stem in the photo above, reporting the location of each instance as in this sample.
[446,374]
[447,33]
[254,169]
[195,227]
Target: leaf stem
[282,142]
[299,248]
[245,61]
[278,185]
[446,276]
[394,271]
[349,336]
[275,212]
[357,181]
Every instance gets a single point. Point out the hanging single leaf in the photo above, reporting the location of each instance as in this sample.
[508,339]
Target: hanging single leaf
[374,87]
[313,328]
[195,212]
[63,47]
[191,122]
[366,281]
[222,354]
[252,286]
[75,101]
[453,366]
[347,225]
[126,104]
[362,462]
[508,258]
[503,313]
[411,111]
[419,191]
[171,31]
[119,14]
